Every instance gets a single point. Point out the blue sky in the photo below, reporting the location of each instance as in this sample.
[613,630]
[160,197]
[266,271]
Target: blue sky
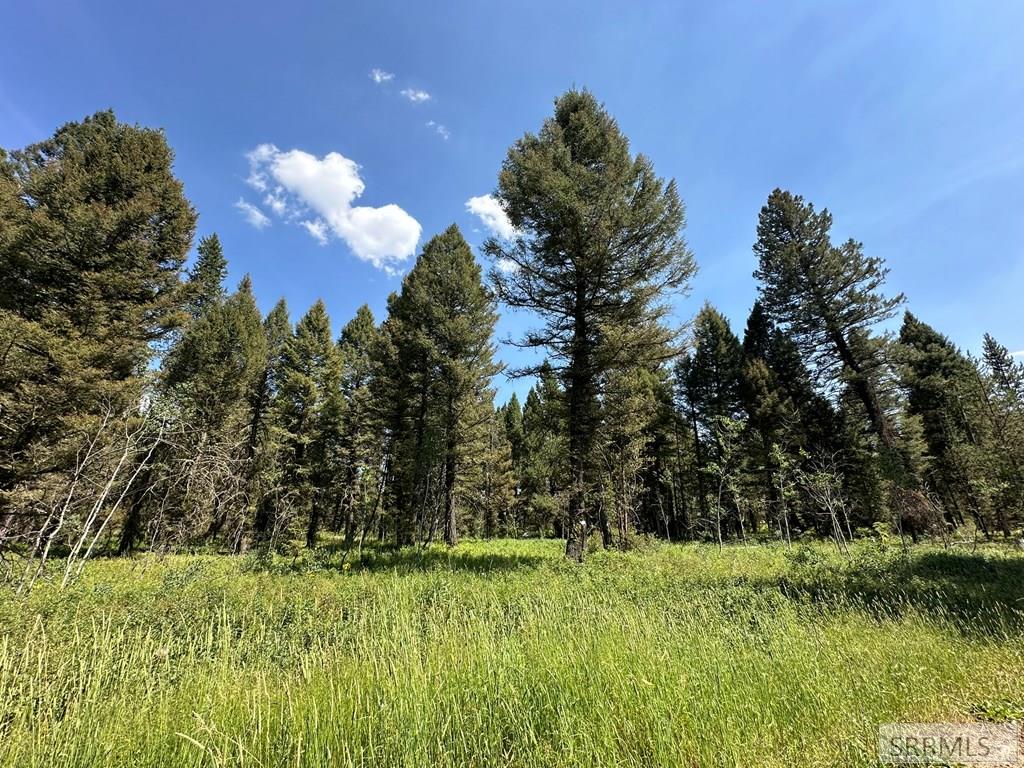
[905,119]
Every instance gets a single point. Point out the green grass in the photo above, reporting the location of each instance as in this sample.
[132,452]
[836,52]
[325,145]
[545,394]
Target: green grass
[502,654]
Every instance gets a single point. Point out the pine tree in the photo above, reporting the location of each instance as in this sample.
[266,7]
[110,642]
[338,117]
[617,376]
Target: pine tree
[716,372]
[263,442]
[787,366]
[788,420]
[490,480]
[205,286]
[544,477]
[401,392]
[1006,375]
[512,418]
[770,412]
[311,411]
[359,443]
[827,297]
[757,336]
[448,318]
[710,380]
[662,511]
[120,290]
[1003,452]
[219,358]
[598,247]
[636,448]
[863,476]
[209,376]
[942,391]
[94,230]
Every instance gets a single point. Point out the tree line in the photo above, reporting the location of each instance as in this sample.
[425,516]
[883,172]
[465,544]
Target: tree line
[146,405]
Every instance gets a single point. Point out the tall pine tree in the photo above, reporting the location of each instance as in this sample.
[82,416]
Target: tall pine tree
[829,298]
[310,409]
[94,231]
[443,326]
[598,247]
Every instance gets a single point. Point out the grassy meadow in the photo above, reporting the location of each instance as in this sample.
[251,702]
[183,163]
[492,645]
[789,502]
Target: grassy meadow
[501,653]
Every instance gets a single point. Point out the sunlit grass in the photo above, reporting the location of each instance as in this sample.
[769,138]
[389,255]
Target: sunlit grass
[500,653]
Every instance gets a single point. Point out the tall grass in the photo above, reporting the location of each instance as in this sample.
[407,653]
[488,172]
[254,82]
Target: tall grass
[502,654]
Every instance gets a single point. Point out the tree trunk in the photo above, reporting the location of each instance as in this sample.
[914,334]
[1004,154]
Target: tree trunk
[218,519]
[865,391]
[314,522]
[451,532]
[263,517]
[406,518]
[131,528]
[702,498]
[579,454]
[606,529]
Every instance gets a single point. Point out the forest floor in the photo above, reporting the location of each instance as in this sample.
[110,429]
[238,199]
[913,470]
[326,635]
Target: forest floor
[500,653]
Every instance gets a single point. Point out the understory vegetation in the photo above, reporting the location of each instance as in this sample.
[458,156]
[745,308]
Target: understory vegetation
[502,653]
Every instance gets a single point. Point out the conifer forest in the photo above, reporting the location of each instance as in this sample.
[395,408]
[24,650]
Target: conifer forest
[151,407]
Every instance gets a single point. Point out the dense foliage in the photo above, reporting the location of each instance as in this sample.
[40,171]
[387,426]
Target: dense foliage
[145,406]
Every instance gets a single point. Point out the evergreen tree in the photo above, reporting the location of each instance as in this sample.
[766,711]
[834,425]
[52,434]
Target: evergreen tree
[359,443]
[205,286]
[219,358]
[512,419]
[770,412]
[262,436]
[710,379]
[598,247]
[788,420]
[827,297]
[813,423]
[715,376]
[448,319]
[490,482]
[94,230]
[862,475]
[636,449]
[401,394]
[942,391]
[210,375]
[544,477]
[311,410]
[662,510]
[1003,451]
[1006,376]
[511,416]
[105,236]
[757,336]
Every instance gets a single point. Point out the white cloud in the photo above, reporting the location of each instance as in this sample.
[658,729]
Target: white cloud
[257,181]
[506,265]
[492,215]
[439,129]
[415,95]
[326,188]
[1017,354]
[257,178]
[380,76]
[253,215]
[317,228]
[276,201]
